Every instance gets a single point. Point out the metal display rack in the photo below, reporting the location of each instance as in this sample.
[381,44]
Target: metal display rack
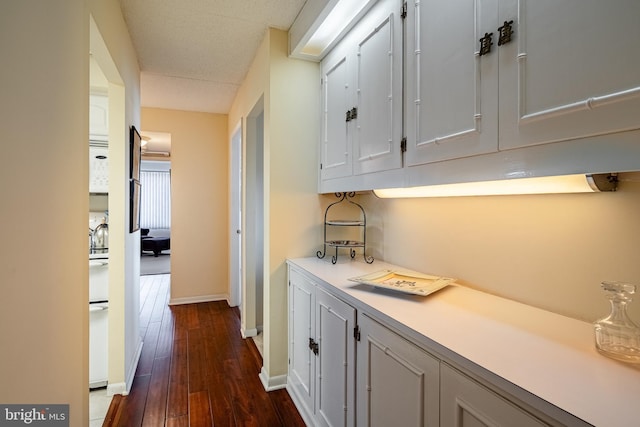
[351,244]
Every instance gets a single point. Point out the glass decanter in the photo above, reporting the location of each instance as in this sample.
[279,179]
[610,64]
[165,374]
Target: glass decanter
[616,335]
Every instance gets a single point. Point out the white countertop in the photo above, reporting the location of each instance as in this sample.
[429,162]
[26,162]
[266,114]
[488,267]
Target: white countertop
[549,355]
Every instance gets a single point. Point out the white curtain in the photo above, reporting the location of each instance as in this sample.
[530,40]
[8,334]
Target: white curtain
[155,199]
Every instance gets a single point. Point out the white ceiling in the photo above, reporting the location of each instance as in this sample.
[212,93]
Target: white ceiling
[194,54]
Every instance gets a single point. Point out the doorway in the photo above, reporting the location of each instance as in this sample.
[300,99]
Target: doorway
[253,236]
[155,213]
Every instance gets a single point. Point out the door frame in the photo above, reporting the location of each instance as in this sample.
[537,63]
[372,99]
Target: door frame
[235,217]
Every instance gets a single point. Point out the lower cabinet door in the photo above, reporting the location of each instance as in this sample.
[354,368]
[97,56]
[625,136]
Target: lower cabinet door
[466,403]
[335,366]
[397,383]
[301,377]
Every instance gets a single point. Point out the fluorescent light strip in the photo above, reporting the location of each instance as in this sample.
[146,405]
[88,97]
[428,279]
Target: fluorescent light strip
[541,185]
[333,25]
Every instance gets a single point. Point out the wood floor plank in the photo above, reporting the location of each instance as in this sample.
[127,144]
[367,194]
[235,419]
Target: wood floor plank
[180,328]
[178,400]
[221,404]
[287,411]
[156,406]
[192,316]
[197,361]
[199,409]
[197,370]
[165,337]
[182,421]
[150,340]
[133,404]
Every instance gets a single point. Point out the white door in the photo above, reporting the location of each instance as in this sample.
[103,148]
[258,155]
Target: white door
[236,217]
[571,71]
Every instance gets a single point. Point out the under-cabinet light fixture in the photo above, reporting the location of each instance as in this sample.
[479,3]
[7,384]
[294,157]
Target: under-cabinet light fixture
[343,13]
[580,183]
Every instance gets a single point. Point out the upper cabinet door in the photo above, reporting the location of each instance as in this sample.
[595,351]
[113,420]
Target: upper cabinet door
[362,96]
[378,121]
[337,99]
[451,90]
[98,117]
[572,70]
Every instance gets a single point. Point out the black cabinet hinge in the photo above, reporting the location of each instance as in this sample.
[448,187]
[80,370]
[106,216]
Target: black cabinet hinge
[356,332]
[313,346]
[351,114]
[403,144]
[403,11]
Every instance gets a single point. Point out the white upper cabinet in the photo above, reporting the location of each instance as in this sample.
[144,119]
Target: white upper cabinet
[337,99]
[98,117]
[362,96]
[570,70]
[451,96]
[378,122]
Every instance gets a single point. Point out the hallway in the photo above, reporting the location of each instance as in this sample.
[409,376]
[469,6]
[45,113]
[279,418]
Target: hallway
[196,370]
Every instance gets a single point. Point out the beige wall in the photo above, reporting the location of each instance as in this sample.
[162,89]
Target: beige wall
[199,201]
[44,324]
[550,251]
[293,210]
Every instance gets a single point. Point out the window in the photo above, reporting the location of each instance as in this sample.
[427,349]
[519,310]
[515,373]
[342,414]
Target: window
[155,199]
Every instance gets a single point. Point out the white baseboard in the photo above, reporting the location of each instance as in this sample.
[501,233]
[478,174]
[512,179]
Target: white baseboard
[200,298]
[272,383]
[125,387]
[248,333]
[117,388]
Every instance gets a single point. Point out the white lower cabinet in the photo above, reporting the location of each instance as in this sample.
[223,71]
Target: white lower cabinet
[367,374]
[466,403]
[397,382]
[321,354]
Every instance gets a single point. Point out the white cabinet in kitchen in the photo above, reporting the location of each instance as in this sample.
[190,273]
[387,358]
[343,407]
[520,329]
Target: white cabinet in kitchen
[467,403]
[98,168]
[407,376]
[362,99]
[98,117]
[397,382]
[552,72]
[321,354]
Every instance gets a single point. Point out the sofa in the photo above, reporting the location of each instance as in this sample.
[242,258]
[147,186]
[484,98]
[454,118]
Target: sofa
[155,240]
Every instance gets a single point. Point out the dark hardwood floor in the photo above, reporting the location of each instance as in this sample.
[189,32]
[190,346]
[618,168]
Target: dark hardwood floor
[196,370]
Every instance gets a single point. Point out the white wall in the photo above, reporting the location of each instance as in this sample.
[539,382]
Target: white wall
[293,210]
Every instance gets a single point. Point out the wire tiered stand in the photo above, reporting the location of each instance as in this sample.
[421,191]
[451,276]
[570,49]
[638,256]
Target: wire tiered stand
[351,244]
